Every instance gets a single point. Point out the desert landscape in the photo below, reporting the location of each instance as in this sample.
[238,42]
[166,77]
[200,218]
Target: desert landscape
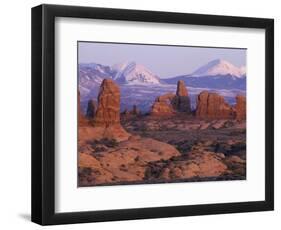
[137,128]
[170,144]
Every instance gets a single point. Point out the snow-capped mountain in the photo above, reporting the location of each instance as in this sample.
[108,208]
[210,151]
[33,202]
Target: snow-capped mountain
[219,67]
[133,73]
[217,74]
[91,75]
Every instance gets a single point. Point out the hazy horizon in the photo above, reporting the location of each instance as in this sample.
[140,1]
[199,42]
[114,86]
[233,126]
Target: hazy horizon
[165,61]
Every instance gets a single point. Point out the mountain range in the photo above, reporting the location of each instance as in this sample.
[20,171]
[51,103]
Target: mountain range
[217,74]
[141,86]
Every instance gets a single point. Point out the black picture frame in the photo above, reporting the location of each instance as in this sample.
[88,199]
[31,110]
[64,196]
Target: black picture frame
[43,114]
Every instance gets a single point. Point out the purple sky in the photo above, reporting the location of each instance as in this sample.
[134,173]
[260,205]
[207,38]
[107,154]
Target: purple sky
[165,61]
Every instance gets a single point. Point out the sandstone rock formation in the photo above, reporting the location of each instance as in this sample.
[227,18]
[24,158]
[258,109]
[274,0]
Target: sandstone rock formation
[181,89]
[127,162]
[163,105]
[182,100]
[91,109]
[107,118]
[108,111]
[161,108]
[170,103]
[167,97]
[198,164]
[213,106]
[240,108]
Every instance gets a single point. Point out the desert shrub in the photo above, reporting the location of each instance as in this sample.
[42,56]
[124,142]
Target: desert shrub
[92,143]
[84,171]
[185,146]
[238,148]
[99,149]
[153,171]
[228,149]
[110,143]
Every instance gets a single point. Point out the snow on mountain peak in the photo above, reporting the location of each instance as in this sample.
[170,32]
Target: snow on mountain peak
[220,67]
[133,73]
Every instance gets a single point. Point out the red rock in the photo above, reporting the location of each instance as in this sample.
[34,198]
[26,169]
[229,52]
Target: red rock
[108,111]
[106,123]
[126,163]
[163,105]
[168,98]
[161,108]
[170,103]
[198,164]
[240,108]
[213,106]
[181,89]
[182,101]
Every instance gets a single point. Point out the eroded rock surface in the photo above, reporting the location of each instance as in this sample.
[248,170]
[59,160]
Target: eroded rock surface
[213,106]
[240,107]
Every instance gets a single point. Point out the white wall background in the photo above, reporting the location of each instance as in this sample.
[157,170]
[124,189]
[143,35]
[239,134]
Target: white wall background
[15,114]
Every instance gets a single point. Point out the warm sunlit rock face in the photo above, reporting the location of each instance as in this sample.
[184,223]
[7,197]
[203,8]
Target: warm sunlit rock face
[213,106]
[163,105]
[108,111]
[240,108]
[128,161]
[170,103]
[148,149]
[106,122]
[181,89]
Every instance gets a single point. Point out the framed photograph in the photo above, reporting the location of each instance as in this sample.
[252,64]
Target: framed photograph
[142,114]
